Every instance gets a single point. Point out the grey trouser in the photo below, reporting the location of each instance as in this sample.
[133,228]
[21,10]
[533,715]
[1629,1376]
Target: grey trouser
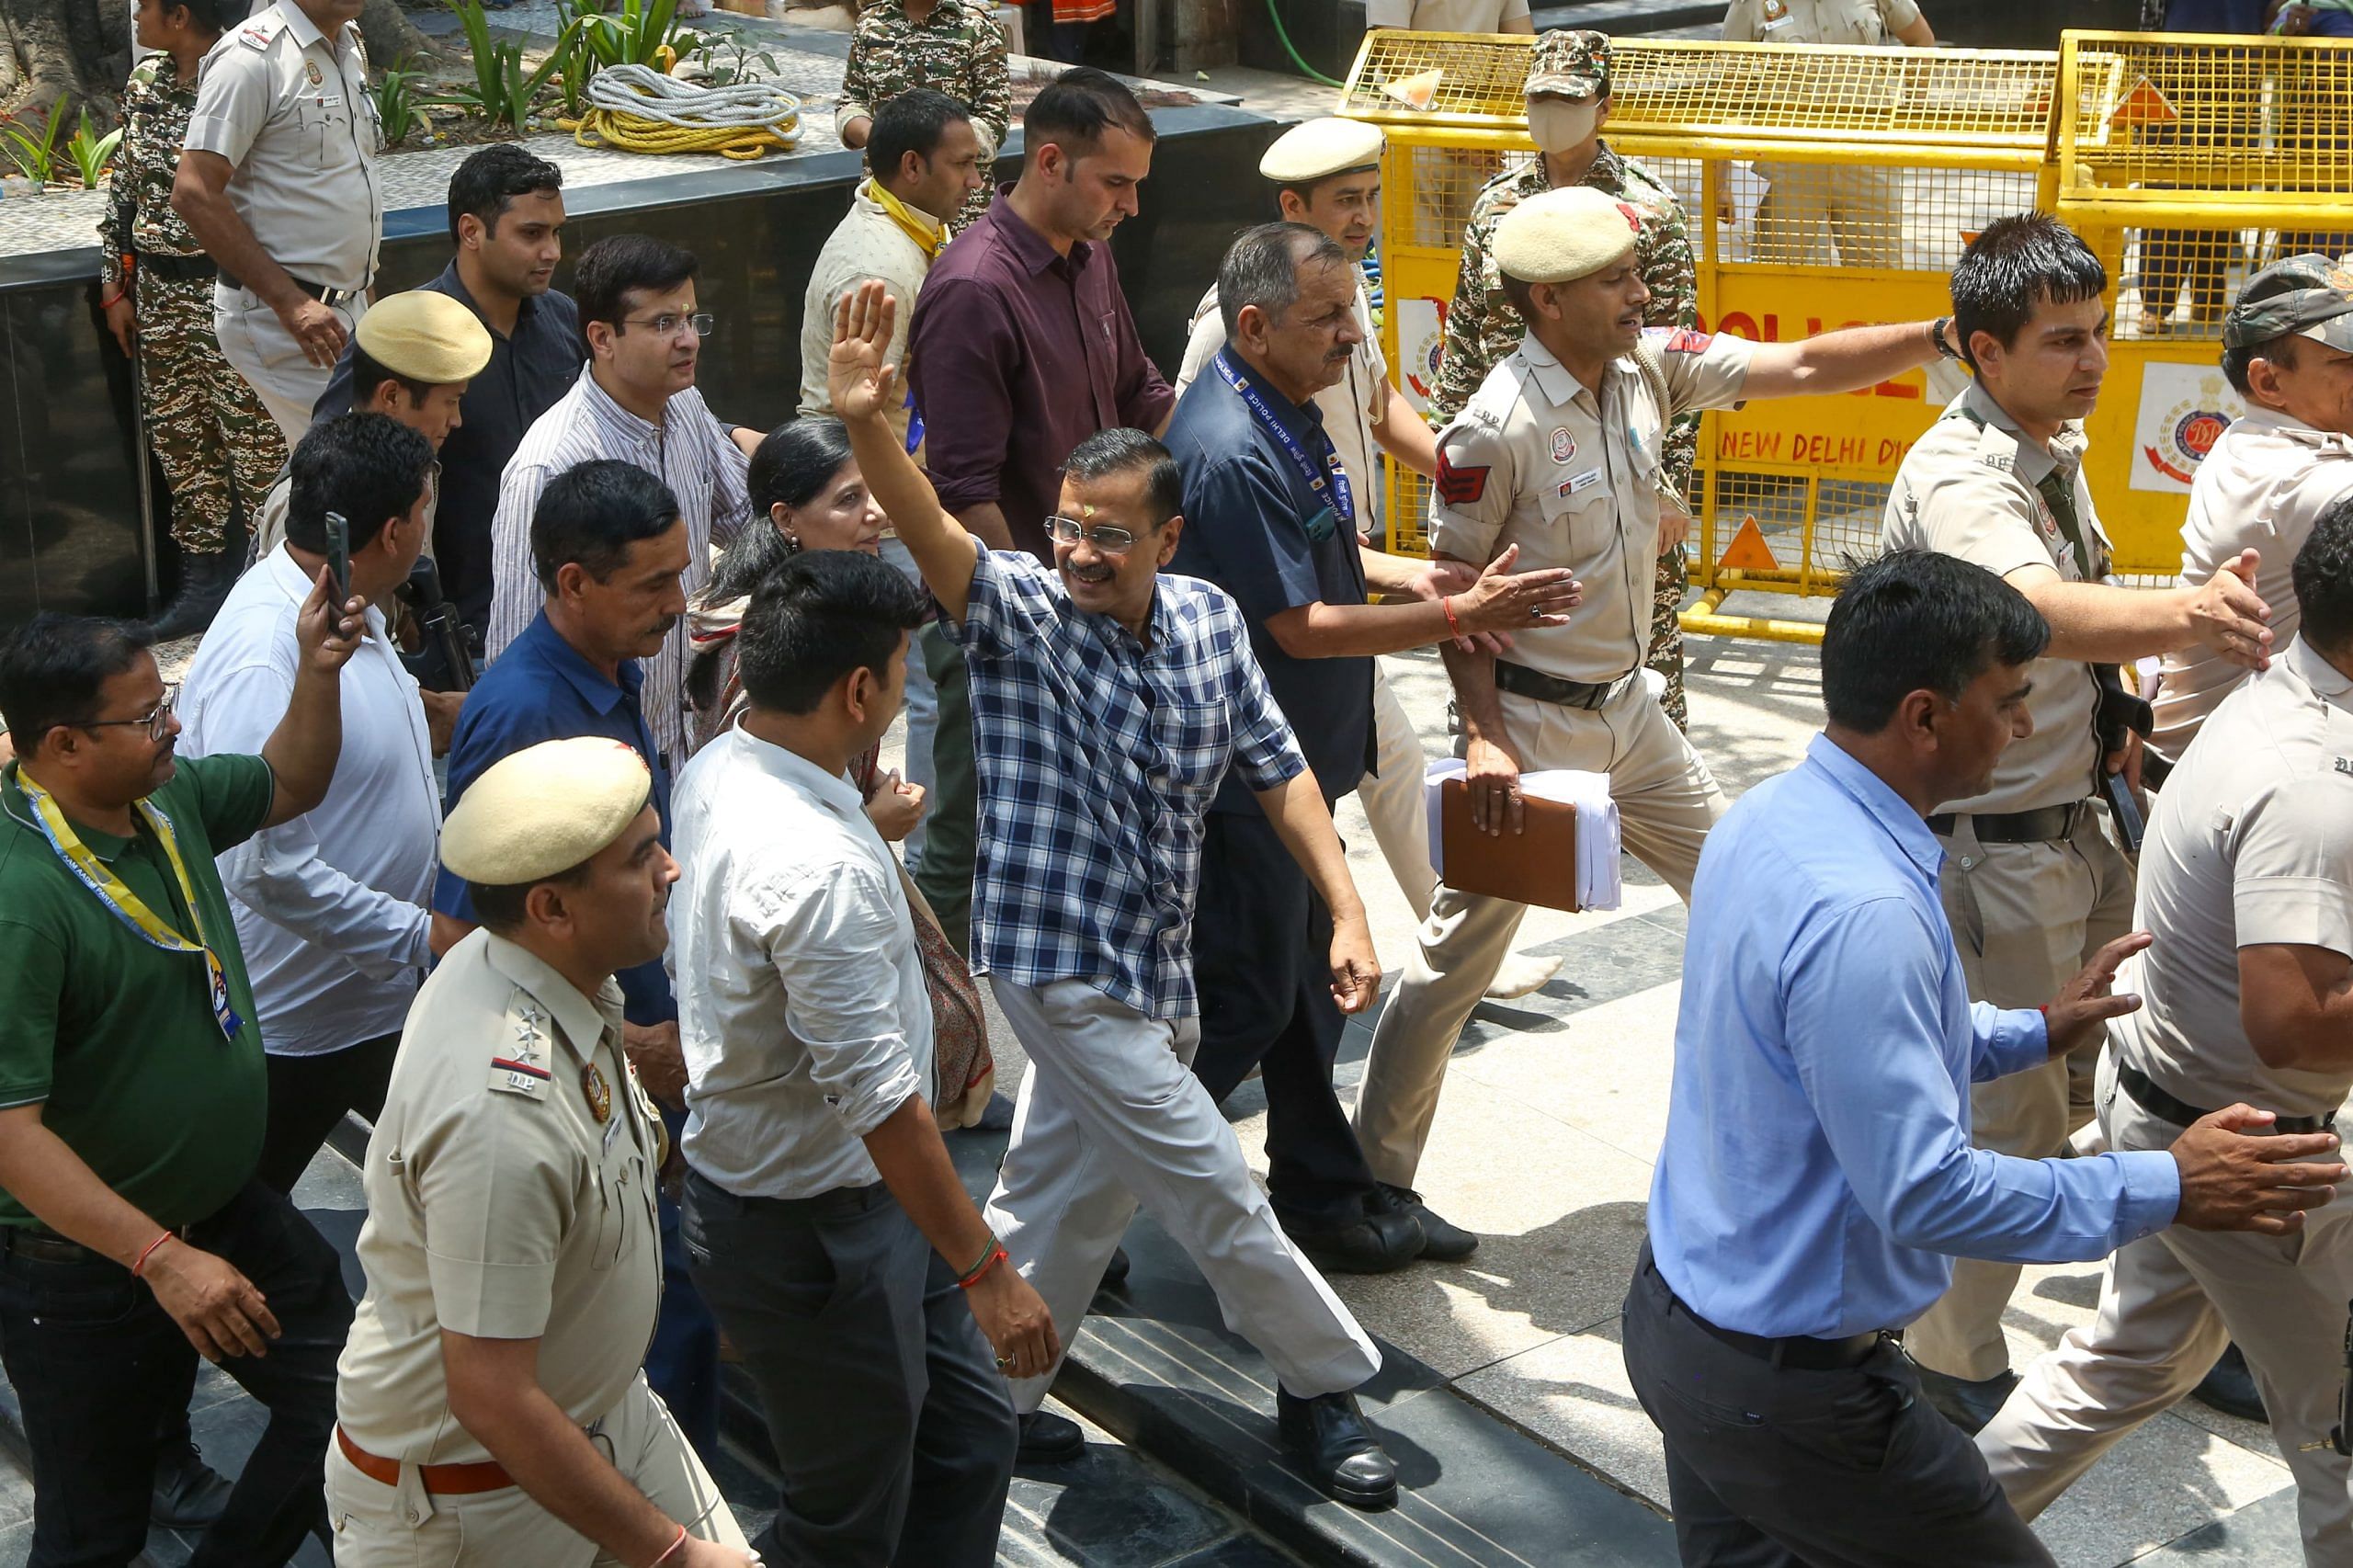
[894,1429]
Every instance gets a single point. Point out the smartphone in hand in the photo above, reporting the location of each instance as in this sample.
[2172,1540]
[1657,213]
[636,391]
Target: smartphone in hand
[339,560]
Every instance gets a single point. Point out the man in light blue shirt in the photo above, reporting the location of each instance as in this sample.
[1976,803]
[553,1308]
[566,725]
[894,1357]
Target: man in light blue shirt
[1818,1178]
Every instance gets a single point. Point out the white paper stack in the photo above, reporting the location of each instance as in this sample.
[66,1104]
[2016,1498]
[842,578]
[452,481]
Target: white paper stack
[1598,886]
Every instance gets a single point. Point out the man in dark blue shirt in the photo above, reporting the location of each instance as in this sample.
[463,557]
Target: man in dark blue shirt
[506,221]
[609,546]
[1272,517]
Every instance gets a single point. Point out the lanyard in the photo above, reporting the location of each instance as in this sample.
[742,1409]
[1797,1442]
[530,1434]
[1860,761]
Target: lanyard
[1342,499]
[127,906]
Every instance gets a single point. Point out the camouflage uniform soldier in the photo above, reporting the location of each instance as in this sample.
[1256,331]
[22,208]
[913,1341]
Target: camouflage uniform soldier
[219,446]
[951,45]
[1568,100]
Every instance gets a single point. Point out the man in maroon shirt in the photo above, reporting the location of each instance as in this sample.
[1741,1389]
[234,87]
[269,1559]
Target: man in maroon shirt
[1022,346]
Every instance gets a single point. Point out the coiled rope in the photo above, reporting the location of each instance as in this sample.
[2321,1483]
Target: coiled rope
[639,109]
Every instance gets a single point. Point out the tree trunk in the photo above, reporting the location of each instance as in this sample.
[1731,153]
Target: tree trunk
[392,38]
[63,52]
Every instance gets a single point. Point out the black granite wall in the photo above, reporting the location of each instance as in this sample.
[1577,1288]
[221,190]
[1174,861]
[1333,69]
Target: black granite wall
[70,536]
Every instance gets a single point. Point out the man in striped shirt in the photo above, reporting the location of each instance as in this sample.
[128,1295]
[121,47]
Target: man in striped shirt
[638,403]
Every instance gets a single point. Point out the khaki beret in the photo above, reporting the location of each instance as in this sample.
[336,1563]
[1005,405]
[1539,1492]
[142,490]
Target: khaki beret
[1318,148]
[1562,235]
[539,812]
[426,336]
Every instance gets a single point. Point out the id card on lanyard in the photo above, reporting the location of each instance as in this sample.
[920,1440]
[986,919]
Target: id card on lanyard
[127,906]
[1331,487]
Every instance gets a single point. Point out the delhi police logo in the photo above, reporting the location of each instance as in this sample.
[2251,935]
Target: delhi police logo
[1564,446]
[2187,432]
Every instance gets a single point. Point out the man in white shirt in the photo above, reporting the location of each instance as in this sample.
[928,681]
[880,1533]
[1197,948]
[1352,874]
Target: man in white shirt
[638,403]
[825,1222]
[331,906]
[1451,16]
[924,157]
[2288,350]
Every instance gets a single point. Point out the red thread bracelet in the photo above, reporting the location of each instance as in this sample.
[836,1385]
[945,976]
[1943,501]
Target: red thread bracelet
[150,1252]
[995,1257]
[670,1550]
[1446,603]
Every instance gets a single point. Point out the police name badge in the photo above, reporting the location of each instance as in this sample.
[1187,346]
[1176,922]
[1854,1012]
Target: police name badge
[1564,446]
[1576,483]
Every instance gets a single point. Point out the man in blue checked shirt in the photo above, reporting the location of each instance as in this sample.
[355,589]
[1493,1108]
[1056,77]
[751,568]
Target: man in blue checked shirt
[1817,1176]
[1108,704]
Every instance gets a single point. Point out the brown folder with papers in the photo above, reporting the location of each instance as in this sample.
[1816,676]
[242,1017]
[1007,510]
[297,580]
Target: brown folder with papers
[1537,866]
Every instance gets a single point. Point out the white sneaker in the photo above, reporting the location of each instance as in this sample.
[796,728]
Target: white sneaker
[1519,974]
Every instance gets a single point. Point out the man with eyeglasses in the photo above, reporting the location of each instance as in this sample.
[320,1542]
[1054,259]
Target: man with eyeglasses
[134,1233]
[638,403]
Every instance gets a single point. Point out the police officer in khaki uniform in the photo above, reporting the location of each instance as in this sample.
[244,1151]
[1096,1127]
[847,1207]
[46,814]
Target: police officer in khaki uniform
[2031,882]
[490,1406]
[1451,16]
[2247,878]
[1558,452]
[1808,203]
[279,181]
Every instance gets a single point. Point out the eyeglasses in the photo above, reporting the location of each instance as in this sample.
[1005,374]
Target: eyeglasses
[1108,538]
[158,720]
[667,326]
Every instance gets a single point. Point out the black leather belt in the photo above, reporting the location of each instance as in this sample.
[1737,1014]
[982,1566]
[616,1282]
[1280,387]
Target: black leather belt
[42,1246]
[1521,681]
[1801,1351]
[178,269]
[2181,1113]
[2050,825]
[318,292]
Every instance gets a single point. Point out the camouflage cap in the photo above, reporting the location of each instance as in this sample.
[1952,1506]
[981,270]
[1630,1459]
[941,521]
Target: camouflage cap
[2302,296]
[1570,63]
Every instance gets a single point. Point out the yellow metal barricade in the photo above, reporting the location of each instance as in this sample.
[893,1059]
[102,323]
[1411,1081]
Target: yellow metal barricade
[2188,161]
[1827,187]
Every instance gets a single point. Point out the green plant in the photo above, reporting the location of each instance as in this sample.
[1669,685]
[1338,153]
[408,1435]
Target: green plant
[502,92]
[92,153]
[740,62]
[634,35]
[35,157]
[398,109]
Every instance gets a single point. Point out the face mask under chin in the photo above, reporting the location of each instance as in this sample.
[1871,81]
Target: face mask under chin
[1556,125]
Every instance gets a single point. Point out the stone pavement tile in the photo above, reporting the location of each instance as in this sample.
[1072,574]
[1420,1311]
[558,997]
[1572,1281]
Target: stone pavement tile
[2163,1481]
[1559,1218]
[15,1497]
[1573,1393]
[1606,1073]
[2261,1535]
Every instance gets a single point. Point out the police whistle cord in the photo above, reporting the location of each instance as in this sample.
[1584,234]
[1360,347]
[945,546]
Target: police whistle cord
[637,109]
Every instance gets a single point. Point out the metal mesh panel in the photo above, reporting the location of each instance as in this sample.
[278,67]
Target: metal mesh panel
[1445,181]
[1982,97]
[1917,218]
[2145,117]
[1847,522]
[1409,511]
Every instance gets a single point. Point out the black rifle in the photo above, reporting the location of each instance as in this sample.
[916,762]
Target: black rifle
[445,634]
[2119,711]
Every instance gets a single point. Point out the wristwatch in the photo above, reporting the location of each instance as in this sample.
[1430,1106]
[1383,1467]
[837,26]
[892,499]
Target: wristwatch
[1937,336]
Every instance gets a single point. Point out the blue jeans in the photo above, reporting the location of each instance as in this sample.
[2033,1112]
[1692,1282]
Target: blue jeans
[682,1364]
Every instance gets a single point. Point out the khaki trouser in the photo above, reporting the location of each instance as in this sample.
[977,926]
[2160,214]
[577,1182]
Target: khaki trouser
[2167,1304]
[1394,806]
[378,1525]
[1811,204]
[1667,801]
[2025,918]
[259,347]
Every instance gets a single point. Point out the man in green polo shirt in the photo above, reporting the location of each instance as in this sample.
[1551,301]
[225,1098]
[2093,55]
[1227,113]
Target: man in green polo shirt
[132,1233]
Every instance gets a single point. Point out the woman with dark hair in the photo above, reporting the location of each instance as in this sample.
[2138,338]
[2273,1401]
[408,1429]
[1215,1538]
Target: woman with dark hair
[806,486]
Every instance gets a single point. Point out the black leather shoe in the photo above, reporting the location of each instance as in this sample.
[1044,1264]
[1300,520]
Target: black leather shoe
[1330,1436]
[2230,1388]
[1048,1438]
[1115,1273]
[1442,1240]
[1968,1405]
[205,582]
[189,1492]
[1377,1244]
